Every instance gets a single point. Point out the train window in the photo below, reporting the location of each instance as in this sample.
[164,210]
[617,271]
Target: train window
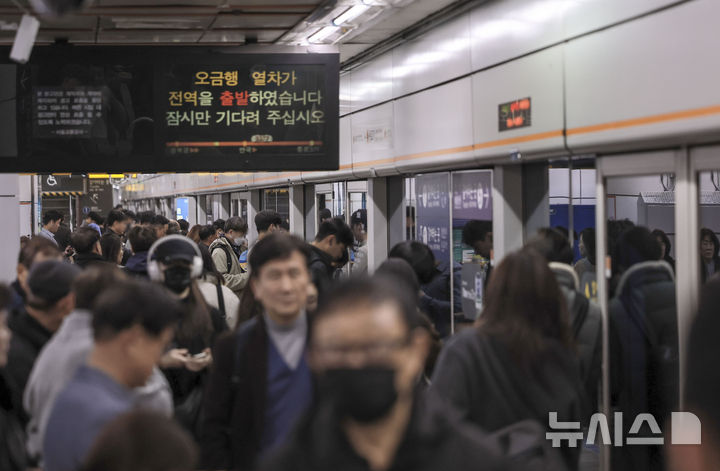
[571,199]
[642,310]
[709,186]
[331,196]
[216,208]
[239,205]
[357,200]
[277,199]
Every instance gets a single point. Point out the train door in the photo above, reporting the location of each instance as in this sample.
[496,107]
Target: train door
[639,249]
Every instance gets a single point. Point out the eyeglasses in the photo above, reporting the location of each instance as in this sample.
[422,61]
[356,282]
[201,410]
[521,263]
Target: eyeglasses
[370,350]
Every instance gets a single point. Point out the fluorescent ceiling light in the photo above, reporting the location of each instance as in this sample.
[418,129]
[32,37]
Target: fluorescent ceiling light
[323,33]
[350,14]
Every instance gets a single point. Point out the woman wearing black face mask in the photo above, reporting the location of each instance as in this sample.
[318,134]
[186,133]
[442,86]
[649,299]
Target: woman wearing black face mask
[176,263]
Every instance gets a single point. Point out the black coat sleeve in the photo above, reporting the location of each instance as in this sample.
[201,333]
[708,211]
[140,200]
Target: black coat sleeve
[320,277]
[217,410]
[17,373]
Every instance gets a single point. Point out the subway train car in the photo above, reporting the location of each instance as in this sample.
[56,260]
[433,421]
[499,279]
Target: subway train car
[587,116]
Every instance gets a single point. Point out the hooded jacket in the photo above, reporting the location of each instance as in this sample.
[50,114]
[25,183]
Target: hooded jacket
[477,374]
[435,440]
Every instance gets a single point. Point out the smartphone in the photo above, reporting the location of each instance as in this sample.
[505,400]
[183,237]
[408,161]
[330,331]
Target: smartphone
[199,356]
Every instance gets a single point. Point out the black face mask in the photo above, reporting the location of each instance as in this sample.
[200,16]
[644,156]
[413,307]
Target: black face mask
[363,394]
[177,278]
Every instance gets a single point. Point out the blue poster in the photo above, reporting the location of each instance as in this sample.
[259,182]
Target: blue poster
[433,212]
[181,208]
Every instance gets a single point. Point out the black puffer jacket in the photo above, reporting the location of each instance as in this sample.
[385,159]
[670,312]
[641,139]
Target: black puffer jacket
[586,324]
[643,355]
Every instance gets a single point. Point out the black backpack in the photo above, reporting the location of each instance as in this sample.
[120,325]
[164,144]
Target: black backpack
[228,255]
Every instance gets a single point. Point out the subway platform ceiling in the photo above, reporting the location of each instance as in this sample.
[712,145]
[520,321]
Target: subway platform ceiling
[353,25]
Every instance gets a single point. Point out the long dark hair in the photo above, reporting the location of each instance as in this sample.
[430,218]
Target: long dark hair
[524,307]
[196,320]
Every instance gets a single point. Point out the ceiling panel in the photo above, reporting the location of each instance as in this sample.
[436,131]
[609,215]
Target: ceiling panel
[75,22]
[267,36]
[213,21]
[115,3]
[167,22]
[230,37]
[256,21]
[158,36]
[74,36]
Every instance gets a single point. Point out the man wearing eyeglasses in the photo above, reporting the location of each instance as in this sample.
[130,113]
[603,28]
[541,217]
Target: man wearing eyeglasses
[368,353]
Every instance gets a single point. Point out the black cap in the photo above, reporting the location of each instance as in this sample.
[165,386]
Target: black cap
[172,249]
[359,217]
[51,280]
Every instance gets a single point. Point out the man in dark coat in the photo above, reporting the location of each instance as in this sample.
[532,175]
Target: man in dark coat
[332,241]
[367,352]
[260,382]
[86,243]
[50,299]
